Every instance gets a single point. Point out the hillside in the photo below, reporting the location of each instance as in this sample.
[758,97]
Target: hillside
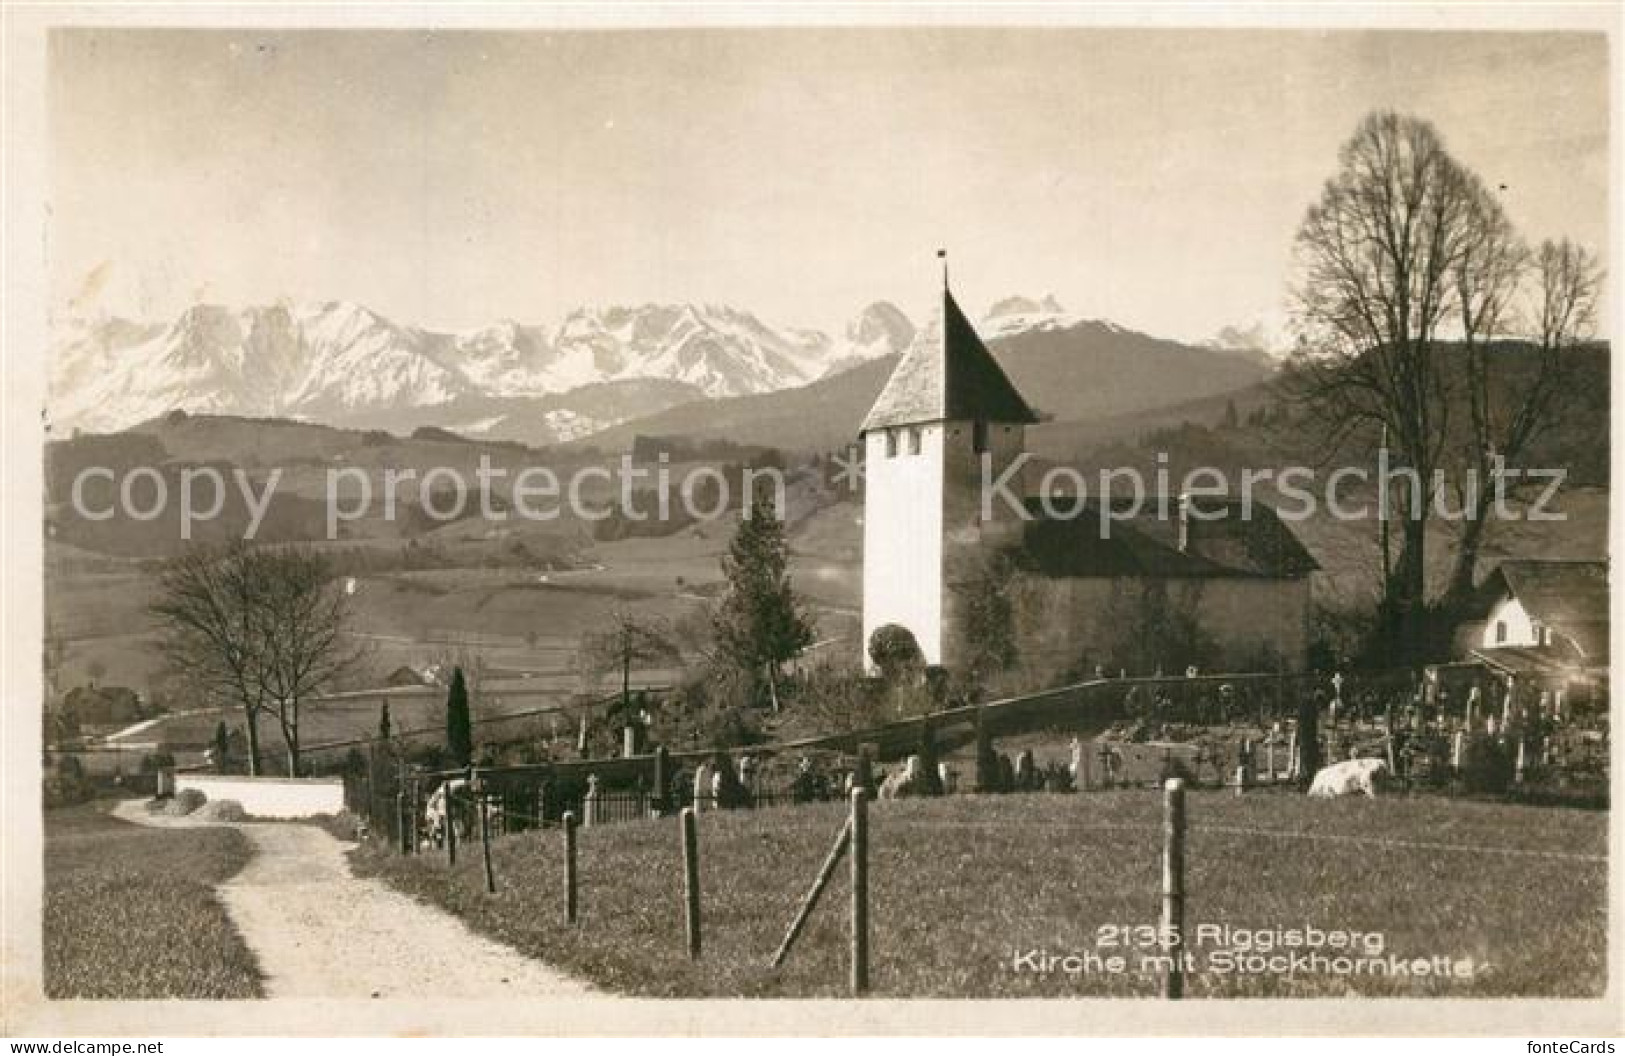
[1073,370]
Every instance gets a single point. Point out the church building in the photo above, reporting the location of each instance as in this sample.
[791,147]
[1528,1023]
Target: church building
[1239,578]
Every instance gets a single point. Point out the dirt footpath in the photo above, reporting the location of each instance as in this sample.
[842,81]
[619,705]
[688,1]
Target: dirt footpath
[319,931]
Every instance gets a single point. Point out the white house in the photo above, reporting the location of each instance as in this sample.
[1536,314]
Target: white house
[1555,608]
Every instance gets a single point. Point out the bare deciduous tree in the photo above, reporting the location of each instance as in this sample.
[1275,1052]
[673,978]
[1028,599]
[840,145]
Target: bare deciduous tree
[625,641]
[1513,394]
[204,603]
[464,656]
[262,627]
[1407,264]
[301,613]
[1377,257]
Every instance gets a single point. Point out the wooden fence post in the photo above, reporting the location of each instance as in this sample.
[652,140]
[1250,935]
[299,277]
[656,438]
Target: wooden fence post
[860,891]
[414,817]
[590,806]
[691,882]
[662,780]
[485,838]
[1173,886]
[451,825]
[569,867]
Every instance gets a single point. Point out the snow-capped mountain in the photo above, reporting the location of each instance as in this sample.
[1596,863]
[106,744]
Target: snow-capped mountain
[342,363]
[1011,315]
[879,330]
[1258,340]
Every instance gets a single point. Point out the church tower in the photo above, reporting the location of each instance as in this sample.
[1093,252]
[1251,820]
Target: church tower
[947,408]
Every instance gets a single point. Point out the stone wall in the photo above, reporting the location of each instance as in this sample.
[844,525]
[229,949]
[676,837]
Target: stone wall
[270,797]
[1061,621]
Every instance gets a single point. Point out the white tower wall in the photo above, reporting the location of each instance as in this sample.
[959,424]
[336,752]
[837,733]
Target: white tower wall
[903,536]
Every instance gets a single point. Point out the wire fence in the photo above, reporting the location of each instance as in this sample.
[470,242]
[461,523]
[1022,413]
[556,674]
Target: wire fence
[1454,735]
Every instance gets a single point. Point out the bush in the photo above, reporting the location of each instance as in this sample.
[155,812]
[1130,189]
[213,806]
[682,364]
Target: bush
[1487,765]
[68,785]
[180,804]
[895,651]
[221,810]
[156,761]
[343,826]
[1058,778]
[837,699]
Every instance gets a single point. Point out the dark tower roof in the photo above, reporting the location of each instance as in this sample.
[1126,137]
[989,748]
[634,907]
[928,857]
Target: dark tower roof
[947,373]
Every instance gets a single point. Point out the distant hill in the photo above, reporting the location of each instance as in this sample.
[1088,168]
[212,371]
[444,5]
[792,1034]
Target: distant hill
[1074,371]
[820,416]
[1269,429]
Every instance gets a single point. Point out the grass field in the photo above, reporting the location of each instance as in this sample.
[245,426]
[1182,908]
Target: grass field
[962,888]
[130,912]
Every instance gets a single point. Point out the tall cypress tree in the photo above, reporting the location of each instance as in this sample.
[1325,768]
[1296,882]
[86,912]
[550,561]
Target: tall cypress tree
[222,746]
[459,724]
[384,730]
[760,624]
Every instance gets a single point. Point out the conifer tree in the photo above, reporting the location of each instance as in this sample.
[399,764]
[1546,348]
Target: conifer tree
[459,723]
[760,624]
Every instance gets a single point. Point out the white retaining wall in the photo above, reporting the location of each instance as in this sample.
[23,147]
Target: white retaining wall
[270,797]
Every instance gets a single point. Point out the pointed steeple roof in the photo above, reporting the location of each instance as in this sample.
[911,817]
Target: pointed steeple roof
[947,373]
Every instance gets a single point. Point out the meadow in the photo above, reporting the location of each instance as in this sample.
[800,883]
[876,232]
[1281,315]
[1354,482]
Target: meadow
[963,889]
[131,913]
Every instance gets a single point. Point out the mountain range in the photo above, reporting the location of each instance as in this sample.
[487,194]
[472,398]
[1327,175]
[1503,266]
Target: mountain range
[1073,371]
[599,368]
[344,364]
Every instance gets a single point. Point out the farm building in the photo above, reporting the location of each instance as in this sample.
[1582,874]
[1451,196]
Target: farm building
[98,707]
[1544,623]
[948,420]
[407,675]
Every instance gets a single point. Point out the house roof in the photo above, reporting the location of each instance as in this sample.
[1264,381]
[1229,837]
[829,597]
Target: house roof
[1571,597]
[1531,662]
[947,373]
[1555,592]
[1226,538]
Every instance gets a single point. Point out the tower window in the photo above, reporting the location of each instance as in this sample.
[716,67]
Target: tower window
[1500,631]
[914,441]
[979,436]
[891,443]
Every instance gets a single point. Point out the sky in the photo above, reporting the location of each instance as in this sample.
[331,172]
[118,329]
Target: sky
[449,180]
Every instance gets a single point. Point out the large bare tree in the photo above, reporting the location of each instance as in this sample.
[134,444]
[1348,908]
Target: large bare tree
[262,627]
[1377,257]
[302,613]
[1411,284]
[205,603]
[1514,390]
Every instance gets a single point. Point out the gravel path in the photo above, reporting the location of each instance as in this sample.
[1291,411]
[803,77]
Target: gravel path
[320,931]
